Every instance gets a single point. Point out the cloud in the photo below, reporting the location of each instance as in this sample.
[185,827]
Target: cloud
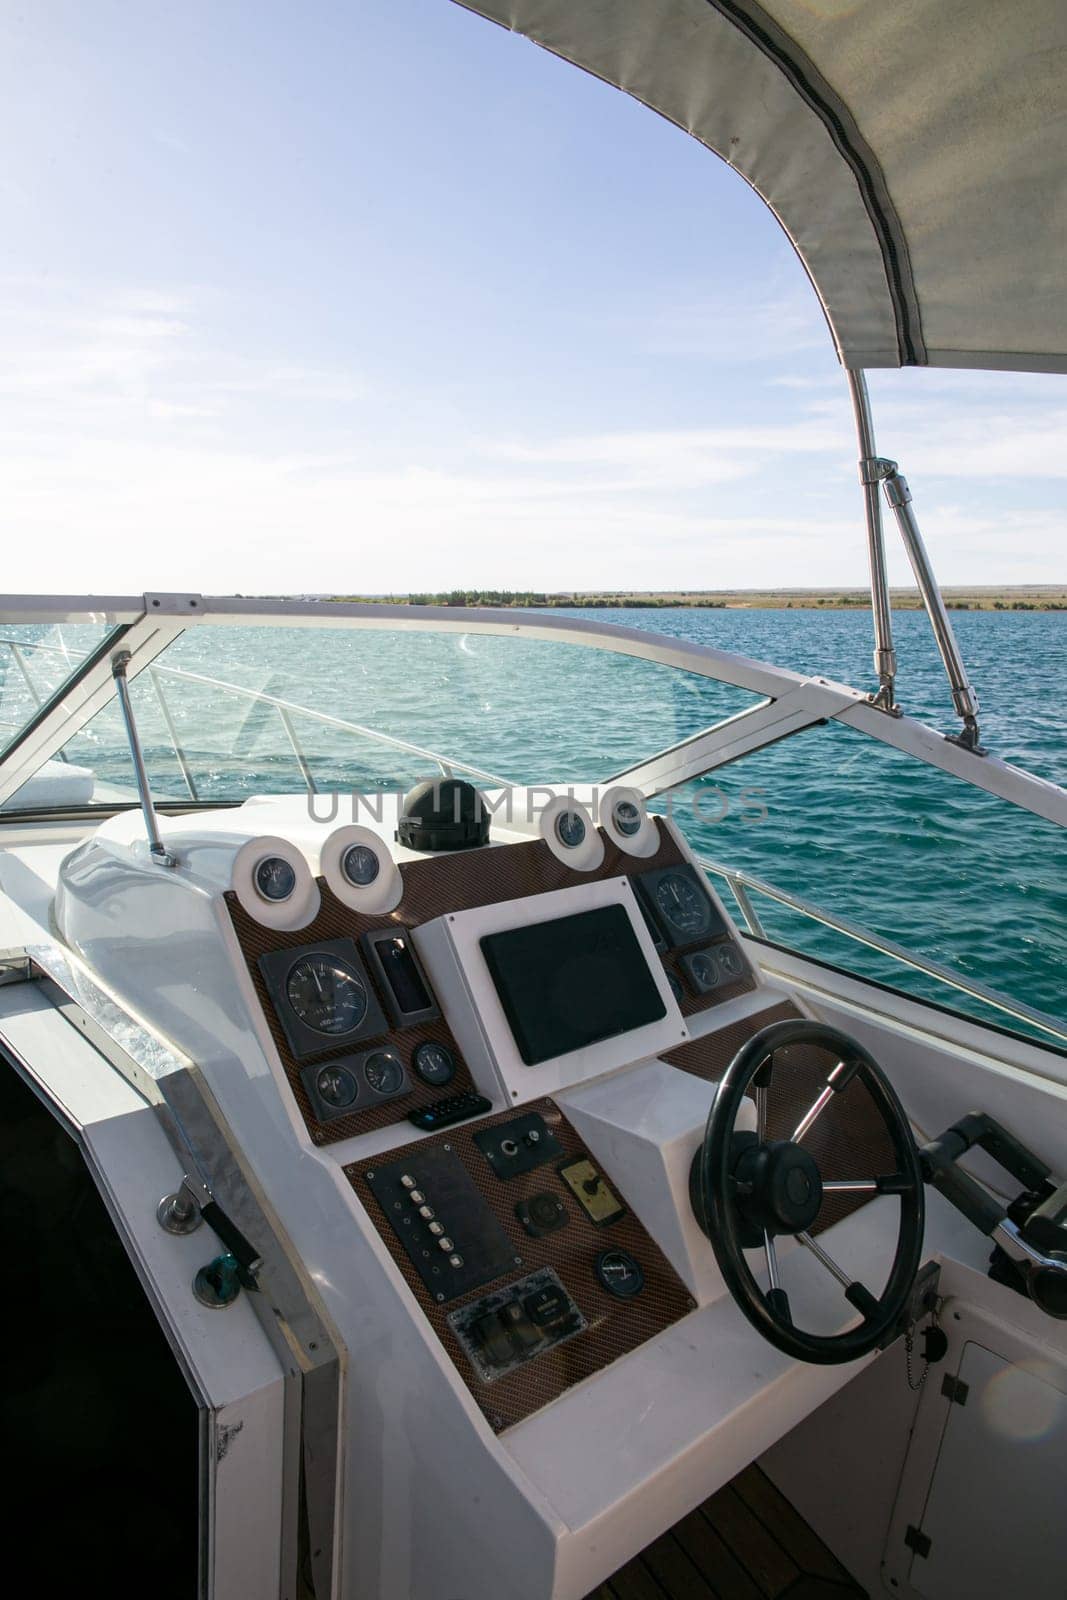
[140,451]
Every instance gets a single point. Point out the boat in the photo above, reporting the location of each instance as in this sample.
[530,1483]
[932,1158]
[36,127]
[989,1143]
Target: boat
[427,1175]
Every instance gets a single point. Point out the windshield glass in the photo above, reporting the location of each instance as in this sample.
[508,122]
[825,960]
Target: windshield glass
[36,661]
[229,711]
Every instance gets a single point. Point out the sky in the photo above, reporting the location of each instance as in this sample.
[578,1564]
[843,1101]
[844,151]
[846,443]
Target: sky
[376,297]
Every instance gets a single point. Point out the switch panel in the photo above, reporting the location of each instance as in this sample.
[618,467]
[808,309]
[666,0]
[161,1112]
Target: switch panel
[555,1278]
[512,1148]
[592,1191]
[451,1236]
[510,1327]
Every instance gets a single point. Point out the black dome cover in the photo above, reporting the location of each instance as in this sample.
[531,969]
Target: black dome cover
[443,814]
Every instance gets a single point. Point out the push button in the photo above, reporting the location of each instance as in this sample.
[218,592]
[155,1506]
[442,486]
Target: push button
[523,1334]
[546,1305]
[493,1340]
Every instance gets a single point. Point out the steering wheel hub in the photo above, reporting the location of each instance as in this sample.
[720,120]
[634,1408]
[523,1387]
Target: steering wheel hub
[778,1186]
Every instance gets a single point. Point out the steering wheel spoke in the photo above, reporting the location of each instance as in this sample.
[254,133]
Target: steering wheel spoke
[855,1292]
[839,1079]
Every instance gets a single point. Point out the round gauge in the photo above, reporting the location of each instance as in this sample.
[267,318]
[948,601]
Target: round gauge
[383,1072]
[703,969]
[326,994]
[619,1273]
[274,878]
[682,905]
[627,818]
[676,988]
[336,1087]
[360,865]
[570,829]
[730,962]
[434,1063]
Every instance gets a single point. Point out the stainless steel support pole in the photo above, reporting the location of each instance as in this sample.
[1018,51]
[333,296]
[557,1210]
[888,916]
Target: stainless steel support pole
[158,849]
[885,659]
[963,696]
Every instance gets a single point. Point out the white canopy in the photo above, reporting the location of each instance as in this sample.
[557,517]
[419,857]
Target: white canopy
[913,150]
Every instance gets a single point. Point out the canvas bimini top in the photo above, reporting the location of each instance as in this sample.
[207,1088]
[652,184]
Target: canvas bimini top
[913,152]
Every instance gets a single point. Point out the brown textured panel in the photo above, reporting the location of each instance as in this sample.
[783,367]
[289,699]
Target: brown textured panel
[849,1140]
[615,1326]
[456,881]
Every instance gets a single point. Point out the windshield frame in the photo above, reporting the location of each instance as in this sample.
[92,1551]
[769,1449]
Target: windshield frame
[790,702]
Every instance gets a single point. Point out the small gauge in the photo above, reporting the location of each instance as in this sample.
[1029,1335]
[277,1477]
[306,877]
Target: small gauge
[676,988]
[570,829]
[434,1063]
[336,1086]
[730,962]
[326,994]
[703,968]
[360,865]
[384,1072]
[682,905]
[619,1273]
[627,818]
[274,878]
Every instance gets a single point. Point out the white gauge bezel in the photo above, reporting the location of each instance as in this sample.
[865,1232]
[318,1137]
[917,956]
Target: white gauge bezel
[584,857]
[387,890]
[645,842]
[299,908]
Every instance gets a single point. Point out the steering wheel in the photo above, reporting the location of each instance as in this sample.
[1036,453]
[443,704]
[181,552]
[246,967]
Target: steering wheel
[746,1191]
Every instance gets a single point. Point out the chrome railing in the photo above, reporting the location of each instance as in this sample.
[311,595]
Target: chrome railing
[743,885]
[287,711]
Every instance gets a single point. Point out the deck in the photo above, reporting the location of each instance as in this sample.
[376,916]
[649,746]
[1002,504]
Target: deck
[745,1543]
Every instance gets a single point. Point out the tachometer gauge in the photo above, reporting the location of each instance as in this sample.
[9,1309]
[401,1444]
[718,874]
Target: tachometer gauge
[682,905]
[327,995]
[274,878]
[384,1072]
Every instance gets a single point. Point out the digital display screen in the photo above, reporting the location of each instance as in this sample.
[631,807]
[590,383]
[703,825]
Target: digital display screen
[572,982]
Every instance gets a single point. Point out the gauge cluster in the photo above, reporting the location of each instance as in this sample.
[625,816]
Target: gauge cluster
[365,1011]
[690,933]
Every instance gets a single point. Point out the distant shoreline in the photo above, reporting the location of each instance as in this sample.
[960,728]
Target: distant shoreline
[1034,597]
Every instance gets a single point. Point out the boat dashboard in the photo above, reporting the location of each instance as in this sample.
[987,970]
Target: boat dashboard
[468,1085]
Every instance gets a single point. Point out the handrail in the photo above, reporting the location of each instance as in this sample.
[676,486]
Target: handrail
[741,882]
[286,710]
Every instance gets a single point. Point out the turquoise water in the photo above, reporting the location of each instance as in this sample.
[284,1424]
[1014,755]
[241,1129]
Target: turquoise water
[886,841]
[829,814]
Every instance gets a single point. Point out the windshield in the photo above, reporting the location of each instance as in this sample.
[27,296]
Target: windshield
[37,660]
[227,712]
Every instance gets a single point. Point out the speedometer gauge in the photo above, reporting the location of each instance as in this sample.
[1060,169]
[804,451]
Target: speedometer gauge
[327,995]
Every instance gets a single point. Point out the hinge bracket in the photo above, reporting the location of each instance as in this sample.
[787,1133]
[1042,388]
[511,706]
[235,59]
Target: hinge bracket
[954,1390]
[916,1540]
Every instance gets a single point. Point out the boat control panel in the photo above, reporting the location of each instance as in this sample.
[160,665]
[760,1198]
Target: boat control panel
[515,1241]
[362,1034]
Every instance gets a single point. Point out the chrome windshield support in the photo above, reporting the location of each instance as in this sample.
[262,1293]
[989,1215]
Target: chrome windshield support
[885,659]
[964,698]
[158,849]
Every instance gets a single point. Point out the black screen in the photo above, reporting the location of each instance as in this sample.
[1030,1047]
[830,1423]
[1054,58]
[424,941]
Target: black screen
[572,982]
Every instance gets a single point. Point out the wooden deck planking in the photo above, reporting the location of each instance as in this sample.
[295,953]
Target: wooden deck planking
[744,1543]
